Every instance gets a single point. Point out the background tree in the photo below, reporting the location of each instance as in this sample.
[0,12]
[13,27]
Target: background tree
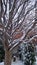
[26,53]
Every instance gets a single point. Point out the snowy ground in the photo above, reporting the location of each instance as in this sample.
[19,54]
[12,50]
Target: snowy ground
[35,62]
[14,63]
[18,63]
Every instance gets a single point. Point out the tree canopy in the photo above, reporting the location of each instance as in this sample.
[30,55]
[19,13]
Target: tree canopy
[18,21]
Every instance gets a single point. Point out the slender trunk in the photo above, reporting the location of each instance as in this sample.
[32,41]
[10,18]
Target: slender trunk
[7,57]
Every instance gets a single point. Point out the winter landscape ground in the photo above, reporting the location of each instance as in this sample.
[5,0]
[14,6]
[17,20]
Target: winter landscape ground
[19,63]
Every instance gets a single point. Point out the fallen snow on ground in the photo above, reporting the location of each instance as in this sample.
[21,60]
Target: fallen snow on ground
[2,63]
[14,63]
[36,61]
[18,63]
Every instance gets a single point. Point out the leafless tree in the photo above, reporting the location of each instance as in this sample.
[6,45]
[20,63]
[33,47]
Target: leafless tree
[18,19]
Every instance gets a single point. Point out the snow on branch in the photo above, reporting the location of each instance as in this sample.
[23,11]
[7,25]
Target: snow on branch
[17,16]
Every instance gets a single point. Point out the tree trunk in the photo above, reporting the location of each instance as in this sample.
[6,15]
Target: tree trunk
[8,57]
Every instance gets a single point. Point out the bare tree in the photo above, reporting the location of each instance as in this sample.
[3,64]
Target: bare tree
[17,20]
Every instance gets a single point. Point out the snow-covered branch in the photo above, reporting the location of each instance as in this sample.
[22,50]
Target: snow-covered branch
[18,16]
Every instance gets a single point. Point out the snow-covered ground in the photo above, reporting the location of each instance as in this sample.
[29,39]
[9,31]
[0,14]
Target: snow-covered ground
[35,62]
[18,63]
[14,63]
[2,63]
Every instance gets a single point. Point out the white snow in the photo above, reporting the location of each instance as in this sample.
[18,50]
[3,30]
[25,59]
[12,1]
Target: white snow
[36,61]
[18,12]
[2,63]
[14,63]
[18,63]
